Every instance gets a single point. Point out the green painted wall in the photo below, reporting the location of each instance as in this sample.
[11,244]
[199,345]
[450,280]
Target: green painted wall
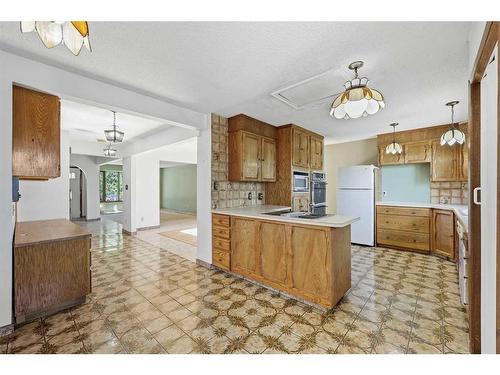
[178,188]
[406,183]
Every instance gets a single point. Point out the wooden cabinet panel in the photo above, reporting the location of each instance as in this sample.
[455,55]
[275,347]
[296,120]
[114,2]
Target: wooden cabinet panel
[463,163]
[221,243]
[244,246]
[310,269]
[405,211]
[316,153]
[36,149]
[417,152]
[300,203]
[443,233]
[251,145]
[221,220]
[444,162]
[402,239]
[268,159]
[273,253]
[407,223]
[300,148]
[221,259]
[221,232]
[389,159]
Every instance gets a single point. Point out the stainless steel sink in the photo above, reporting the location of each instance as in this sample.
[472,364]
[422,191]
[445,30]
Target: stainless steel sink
[292,214]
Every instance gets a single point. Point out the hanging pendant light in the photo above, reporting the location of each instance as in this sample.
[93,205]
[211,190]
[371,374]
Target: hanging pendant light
[73,34]
[394,147]
[109,151]
[357,100]
[454,134]
[114,135]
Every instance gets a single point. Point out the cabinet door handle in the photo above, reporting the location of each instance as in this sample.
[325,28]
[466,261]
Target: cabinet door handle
[476,196]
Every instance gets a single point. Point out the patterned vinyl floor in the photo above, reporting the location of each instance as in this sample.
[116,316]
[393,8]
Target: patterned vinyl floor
[148,300]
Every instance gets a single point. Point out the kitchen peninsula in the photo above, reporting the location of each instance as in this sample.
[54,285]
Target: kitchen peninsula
[307,258]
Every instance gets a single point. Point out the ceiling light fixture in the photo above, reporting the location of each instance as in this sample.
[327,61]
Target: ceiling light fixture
[73,34]
[114,135]
[357,100]
[108,151]
[394,147]
[454,134]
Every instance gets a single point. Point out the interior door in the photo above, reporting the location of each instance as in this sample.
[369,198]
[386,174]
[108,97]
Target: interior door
[74,194]
[489,160]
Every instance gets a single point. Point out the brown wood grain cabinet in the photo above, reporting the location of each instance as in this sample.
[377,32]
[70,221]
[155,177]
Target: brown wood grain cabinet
[36,132]
[306,261]
[443,233]
[317,153]
[300,148]
[417,152]
[52,267]
[389,159]
[444,165]
[221,241]
[300,202]
[268,159]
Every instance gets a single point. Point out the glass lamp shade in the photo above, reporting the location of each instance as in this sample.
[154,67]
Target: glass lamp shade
[453,136]
[108,151]
[394,148]
[114,135]
[356,102]
[73,34]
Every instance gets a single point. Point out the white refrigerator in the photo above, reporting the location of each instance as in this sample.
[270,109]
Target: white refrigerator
[356,197]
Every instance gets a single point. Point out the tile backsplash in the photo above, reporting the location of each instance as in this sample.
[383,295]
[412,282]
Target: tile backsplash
[449,192]
[226,194]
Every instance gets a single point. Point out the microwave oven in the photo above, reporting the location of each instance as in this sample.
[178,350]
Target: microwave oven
[300,182]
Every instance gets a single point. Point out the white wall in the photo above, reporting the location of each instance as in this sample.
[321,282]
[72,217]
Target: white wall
[129,201]
[147,190]
[45,200]
[91,170]
[204,201]
[475,35]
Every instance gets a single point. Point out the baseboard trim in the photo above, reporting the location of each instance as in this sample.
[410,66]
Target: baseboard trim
[6,330]
[147,228]
[128,233]
[96,219]
[204,264]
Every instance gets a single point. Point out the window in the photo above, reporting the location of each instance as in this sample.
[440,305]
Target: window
[111,186]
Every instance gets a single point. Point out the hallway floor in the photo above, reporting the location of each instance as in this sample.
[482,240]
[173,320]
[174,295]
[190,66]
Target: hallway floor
[148,300]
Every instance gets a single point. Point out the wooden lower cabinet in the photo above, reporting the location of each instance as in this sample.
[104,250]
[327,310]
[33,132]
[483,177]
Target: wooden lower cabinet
[443,233]
[310,262]
[300,202]
[418,229]
[221,241]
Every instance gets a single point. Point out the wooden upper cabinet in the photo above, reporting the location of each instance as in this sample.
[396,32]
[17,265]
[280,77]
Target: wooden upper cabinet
[316,153]
[250,151]
[268,159]
[300,148]
[463,163]
[36,133]
[444,162]
[417,152]
[443,233]
[389,159]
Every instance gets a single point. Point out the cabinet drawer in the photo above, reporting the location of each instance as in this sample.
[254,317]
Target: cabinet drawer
[221,232]
[221,259]
[220,220]
[418,224]
[405,211]
[221,244]
[409,240]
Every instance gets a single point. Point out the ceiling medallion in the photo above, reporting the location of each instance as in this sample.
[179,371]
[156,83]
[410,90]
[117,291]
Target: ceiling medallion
[454,134]
[394,147]
[109,151]
[73,34]
[357,100]
[114,135]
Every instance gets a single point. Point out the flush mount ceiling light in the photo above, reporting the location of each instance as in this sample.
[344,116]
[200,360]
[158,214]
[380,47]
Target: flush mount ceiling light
[394,147]
[454,134]
[73,34]
[357,100]
[109,151]
[114,135]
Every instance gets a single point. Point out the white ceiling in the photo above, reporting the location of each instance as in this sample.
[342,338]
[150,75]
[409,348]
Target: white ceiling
[87,123]
[230,68]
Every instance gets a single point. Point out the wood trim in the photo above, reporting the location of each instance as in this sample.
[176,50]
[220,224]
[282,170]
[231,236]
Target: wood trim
[474,229]
[488,41]
[496,29]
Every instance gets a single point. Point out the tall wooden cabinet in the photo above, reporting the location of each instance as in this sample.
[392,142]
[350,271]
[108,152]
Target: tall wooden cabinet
[252,150]
[36,148]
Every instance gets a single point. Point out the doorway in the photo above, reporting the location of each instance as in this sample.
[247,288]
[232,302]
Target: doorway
[77,193]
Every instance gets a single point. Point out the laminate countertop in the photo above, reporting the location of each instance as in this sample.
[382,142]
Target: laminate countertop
[458,209]
[259,212]
[30,233]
